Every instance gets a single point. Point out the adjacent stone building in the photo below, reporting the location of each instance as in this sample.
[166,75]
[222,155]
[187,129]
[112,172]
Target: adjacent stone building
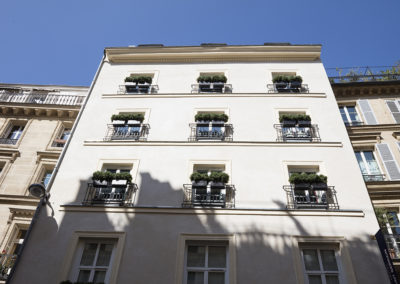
[178,171]
[35,123]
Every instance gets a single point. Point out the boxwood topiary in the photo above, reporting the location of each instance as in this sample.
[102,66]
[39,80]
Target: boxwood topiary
[212,79]
[297,178]
[196,176]
[211,117]
[128,116]
[139,79]
[109,176]
[219,177]
[294,117]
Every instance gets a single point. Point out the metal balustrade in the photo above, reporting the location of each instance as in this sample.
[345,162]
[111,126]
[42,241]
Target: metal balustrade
[354,123]
[8,141]
[7,261]
[371,178]
[287,88]
[136,132]
[296,133]
[105,194]
[138,89]
[310,197]
[40,98]
[209,196]
[212,88]
[218,131]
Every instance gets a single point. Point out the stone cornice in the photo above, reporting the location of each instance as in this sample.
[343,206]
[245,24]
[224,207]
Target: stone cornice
[10,153]
[253,53]
[18,199]
[372,128]
[365,89]
[204,95]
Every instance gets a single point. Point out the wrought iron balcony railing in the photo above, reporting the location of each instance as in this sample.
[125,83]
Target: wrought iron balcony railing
[392,239]
[104,194]
[136,132]
[354,123]
[363,74]
[211,131]
[58,143]
[209,196]
[40,98]
[8,141]
[287,88]
[212,88]
[138,89]
[370,178]
[302,133]
[7,261]
[309,197]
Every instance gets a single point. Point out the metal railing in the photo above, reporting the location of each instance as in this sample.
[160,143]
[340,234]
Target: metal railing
[363,74]
[138,89]
[310,197]
[136,132]
[121,195]
[297,133]
[287,88]
[8,141]
[6,263]
[212,88]
[392,239]
[58,143]
[378,177]
[209,196]
[40,98]
[354,123]
[219,131]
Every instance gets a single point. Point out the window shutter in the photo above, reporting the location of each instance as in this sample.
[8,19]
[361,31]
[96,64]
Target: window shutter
[394,110]
[367,112]
[390,164]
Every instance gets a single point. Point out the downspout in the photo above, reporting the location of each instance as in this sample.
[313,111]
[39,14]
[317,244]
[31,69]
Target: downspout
[44,199]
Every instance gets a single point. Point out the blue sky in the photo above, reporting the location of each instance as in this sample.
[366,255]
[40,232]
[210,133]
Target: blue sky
[61,42]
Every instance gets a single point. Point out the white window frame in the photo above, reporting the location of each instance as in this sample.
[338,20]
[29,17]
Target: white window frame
[205,269]
[365,161]
[347,113]
[321,272]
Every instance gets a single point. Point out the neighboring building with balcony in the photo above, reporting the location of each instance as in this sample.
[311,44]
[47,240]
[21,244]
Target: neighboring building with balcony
[368,100]
[262,187]
[35,123]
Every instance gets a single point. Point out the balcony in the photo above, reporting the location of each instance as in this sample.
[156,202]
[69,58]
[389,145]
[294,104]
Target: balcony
[373,178]
[58,143]
[209,196]
[110,194]
[8,141]
[132,88]
[311,197]
[40,98]
[136,132]
[363,74]
[354,123]
[7,261]
[220,88]
[297,133]
[214,131]
[293,87]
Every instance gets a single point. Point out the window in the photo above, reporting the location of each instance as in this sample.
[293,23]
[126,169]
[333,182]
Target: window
[394,107]
[16,240]
[65,134]
[46,177]
[93,261]
[320,265]
[206,262]
[350,115]
[369,166]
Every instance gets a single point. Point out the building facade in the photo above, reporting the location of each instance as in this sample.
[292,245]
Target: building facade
[369,105]
[178,171]
[35,123]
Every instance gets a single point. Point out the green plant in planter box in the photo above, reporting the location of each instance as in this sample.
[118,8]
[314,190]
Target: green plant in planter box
[297,178]
[280,79]
[103,176]
[139,79]
[219,177]
[298,79]
[294,117]
[211,117]
[128,116]
[196,176]
[212,79]
[123,176]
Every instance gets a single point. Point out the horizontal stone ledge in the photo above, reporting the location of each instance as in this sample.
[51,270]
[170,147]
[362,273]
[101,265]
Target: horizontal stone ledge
[217,144]
[212,211]
[230,95]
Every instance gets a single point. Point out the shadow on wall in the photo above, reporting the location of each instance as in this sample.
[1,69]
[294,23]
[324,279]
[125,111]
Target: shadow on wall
[150,252]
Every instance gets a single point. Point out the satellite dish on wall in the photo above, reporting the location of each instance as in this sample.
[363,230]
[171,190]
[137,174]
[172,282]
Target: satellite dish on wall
[37,190]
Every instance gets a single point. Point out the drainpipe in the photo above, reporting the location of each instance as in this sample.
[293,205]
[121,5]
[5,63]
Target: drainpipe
[45,198]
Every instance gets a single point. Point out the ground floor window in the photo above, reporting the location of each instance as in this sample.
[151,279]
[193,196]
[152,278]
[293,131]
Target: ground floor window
[320,265]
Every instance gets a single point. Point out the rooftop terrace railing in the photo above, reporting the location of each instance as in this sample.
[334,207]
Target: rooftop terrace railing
[40,98]
[363,74]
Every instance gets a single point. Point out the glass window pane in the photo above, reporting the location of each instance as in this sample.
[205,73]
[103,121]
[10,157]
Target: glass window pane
[329,260]
[196,256]
[104,255]
[361,163]
[311,259]
[332,279]
[88,254]
[99,276]
[217,256]
[343,114]
[314,279]
[195,278]
[216,278]
[83,276]
[371,163]
[353,113]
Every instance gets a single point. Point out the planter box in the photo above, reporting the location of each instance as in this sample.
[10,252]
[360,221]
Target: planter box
[289,123]
[301,186]
[304,123]
[281,86]
[130,122]
[217,184]
[130,84]
[319,186]
[295,85]
[200,183]
[118,122]
[120,182]
[98,183]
